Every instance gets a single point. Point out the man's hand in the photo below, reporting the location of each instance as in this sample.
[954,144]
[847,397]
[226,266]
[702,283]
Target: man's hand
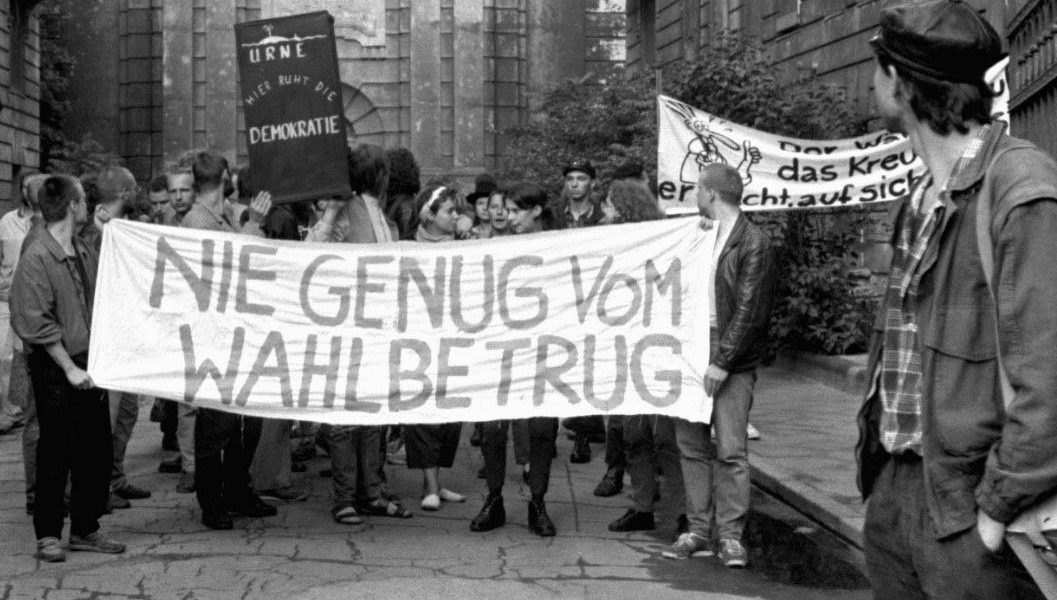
[463,225]
[706,224]
[714,378]
[79,378]
[991,531]
[260,206]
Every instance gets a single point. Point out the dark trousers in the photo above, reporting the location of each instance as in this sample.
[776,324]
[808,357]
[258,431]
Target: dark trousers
[74,443]
[616,456]
[224,447]
[542,431]
[907,562]
[169,416]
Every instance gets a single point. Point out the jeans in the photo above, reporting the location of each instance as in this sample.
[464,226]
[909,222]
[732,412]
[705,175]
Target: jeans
[716,470]
[74,444]
[9,407]
[906,561]
[22,391]
[270,469]
[355,452]
[124,410]
[649,442]
[185,435]
[224,447]
[542,432]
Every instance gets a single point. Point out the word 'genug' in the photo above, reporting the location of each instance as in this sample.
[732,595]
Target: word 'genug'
[434,287]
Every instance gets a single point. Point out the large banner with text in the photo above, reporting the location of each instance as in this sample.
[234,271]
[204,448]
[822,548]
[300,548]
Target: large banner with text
[779,173]
[605,320]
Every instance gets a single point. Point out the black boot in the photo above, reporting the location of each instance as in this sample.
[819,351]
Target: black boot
[581,449]
[611,483]
[538,521]
[492,514]
[634,520]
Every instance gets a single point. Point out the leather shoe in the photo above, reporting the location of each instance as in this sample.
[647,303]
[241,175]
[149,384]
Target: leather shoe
[173,465]
[116,502]
[492,515]
[611,484]
[634,520]
[219,521]
[252,506]
[581,450]
[131,492]
[538,521]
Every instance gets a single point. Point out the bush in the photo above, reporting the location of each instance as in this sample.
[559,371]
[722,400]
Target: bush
[816,309]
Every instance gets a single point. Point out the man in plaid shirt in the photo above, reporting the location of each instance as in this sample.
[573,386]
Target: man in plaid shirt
[943,464]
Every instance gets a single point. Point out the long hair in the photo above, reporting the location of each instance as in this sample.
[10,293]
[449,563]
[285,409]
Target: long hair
[527,196]
[634,202]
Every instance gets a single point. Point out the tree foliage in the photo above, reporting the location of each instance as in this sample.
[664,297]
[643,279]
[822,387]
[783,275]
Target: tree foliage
[816,308]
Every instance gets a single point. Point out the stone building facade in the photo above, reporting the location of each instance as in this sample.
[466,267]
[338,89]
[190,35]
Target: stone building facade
[19,95]
[441,77]
[821,42]
[1032,33]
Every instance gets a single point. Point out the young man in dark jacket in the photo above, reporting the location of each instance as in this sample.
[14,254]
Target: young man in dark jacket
[944,465]
[716,467]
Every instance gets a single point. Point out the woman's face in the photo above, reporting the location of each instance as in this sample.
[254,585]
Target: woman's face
[446,216]
[521,220]
[497,212]
[480,205]
[610,214]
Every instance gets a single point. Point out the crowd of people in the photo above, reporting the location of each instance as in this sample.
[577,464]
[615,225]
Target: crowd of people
[956,428]
[238,465]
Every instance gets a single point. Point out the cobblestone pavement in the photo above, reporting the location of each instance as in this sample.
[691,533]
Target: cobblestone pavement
[302,554]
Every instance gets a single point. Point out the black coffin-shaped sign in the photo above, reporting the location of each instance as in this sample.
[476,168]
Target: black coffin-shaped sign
[291,99]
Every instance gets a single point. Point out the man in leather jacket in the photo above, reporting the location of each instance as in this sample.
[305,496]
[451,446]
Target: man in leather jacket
[716,467]
[943,462]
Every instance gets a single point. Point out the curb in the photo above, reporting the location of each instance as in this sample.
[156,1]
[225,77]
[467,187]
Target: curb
[846,373]
[808,501]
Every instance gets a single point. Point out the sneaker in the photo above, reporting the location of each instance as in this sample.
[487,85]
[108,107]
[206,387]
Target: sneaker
[186,485]
[752,433]
[283,494]
[131,492]
[95,542]
[50,549]
[689,544]
[733,554]
[449,496]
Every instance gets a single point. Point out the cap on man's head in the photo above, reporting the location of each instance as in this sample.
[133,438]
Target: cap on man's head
[115,183]
[946,40]
[581,164]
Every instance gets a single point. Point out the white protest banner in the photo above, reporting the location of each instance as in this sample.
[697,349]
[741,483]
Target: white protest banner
[604,320]
[779,173]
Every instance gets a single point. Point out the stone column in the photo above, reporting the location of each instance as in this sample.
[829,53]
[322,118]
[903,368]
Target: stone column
[221,107]
[425,84]
[469,87]
[177,77]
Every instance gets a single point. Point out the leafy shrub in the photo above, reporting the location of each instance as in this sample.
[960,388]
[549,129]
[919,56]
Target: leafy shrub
[816,308]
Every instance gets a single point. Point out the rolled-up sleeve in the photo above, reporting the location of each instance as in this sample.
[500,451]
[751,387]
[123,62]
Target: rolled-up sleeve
[33,303]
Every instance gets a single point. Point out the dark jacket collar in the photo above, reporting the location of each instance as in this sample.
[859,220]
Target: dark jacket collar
[55,248]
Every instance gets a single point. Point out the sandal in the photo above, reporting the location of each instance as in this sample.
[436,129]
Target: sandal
[346,514]
[385,508]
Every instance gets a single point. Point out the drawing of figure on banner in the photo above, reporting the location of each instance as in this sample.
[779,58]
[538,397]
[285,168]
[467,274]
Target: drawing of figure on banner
[712,146]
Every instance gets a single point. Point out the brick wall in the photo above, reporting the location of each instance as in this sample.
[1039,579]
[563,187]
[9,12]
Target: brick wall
[20,96]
